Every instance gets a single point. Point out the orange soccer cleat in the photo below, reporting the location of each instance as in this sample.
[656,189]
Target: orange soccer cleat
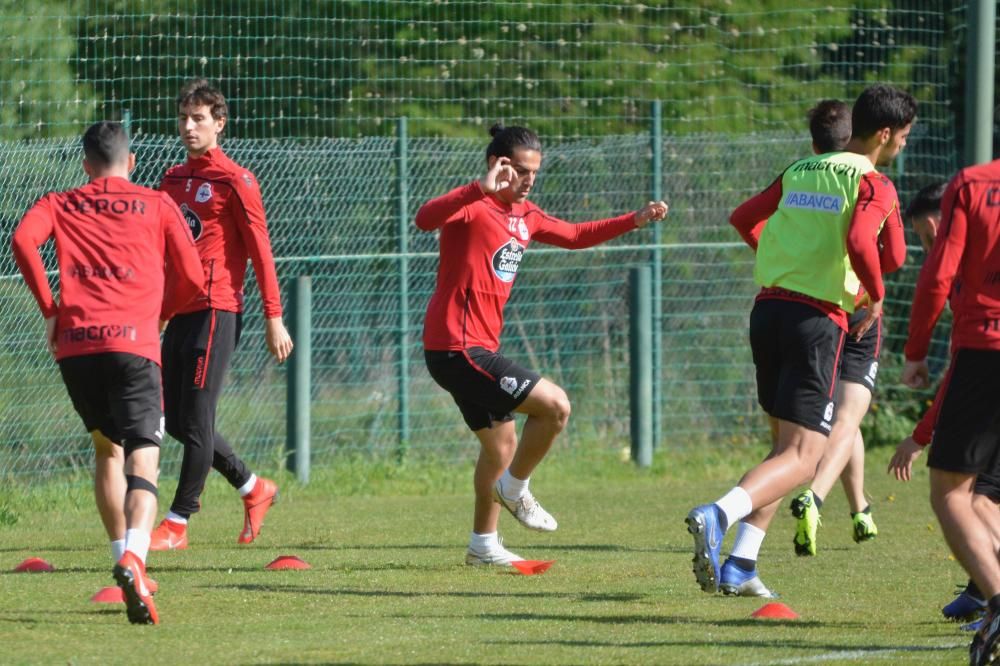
[255,506]
[130,574]
[168,535]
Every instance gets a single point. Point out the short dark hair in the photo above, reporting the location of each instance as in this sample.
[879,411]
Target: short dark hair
[199,92]
[882,106]
[830,125]
[927,200]
[508,139]
[105,144]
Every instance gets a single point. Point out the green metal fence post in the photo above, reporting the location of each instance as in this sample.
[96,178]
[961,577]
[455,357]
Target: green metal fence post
[641,364]
[655,194]
[980,68]
[300,379]
[403,218]
[127,121]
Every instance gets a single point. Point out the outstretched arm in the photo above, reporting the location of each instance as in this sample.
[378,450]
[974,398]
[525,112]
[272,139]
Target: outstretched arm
[581,235]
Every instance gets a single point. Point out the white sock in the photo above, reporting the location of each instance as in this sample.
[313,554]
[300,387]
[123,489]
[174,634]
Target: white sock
[748,540]
[138,542]
[117,549]
[174,518]
[483,542]
[735,506]
[247,487]
[513,488]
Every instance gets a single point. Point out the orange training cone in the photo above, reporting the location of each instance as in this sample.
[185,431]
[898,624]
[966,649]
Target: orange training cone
[775,611]
[532,567]
[34,565]
[287,562]
[108,595]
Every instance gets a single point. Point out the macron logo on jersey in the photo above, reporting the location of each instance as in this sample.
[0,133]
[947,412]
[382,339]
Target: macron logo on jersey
[824,203]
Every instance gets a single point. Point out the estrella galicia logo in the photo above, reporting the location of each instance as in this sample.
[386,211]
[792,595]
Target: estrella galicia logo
[506,260]
[193,221]
[204,193]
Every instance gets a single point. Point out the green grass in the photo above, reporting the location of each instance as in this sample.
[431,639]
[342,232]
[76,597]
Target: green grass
[387,583]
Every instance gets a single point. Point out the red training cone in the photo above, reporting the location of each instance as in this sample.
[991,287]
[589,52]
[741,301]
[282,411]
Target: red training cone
[108,595]
[34,565]
[775,611]
[287,562]
[532,567]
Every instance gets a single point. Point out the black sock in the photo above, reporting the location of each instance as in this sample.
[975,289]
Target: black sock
[995,605]
[743,563]
[818,500]
[867,509]
[973,590]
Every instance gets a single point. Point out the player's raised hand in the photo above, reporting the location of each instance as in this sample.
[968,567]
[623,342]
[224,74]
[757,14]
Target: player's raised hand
[654,210]
[916,374]
[279,342]
[50,334]
[901,465]
[500,175]
[872,312]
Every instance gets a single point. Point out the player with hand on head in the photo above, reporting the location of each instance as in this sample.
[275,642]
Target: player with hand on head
[966,437]
[815,231]
[844,455]
[111,240]
[485,228]
[222,204]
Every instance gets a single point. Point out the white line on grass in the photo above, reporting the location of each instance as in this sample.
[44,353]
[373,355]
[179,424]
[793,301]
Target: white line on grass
[852,655]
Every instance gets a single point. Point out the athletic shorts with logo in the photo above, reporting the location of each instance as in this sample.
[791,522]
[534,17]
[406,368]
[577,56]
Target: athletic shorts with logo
[485,385]
[796,351]
[967,432]
[118,394]
[859,360]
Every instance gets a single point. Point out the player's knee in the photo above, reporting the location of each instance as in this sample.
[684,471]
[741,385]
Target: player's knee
[561,410]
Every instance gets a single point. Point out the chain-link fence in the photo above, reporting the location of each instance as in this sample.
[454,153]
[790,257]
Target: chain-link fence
[316,91]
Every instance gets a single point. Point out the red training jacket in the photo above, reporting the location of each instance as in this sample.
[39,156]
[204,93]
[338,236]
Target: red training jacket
[482,243]
[112,238]
[221,202]
[966,255]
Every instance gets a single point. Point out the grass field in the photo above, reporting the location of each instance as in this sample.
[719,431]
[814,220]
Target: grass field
[387,584]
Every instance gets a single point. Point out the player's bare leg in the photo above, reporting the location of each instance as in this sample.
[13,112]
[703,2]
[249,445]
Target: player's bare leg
[853,400]
[853,477]
[548,409]
[109,484]
[141,471]
[792,462]
[963,529]
[497,445]
[989,512]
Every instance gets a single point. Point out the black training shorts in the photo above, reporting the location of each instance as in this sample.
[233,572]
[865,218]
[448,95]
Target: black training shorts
[796,350]
[967,432]
[486,386]
[117,393]
[859,362]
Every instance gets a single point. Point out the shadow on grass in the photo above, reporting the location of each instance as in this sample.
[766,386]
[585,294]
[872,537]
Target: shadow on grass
[585,547]
[47,617]
[355,592]
[851,649]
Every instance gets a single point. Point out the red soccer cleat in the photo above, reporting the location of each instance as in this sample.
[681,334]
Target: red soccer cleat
[255,506]
[168,535]
[130,574]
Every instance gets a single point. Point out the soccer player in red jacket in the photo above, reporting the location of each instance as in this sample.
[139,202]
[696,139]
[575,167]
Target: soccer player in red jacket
[967,433]
[485,228]
[111,240]
[222,204]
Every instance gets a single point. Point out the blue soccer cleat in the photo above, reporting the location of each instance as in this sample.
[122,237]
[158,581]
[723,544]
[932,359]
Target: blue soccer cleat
[735,581]
[704,525]
[965,607]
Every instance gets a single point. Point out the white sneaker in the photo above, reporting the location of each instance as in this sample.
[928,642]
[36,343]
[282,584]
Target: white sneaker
[494,556]
[527,510]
